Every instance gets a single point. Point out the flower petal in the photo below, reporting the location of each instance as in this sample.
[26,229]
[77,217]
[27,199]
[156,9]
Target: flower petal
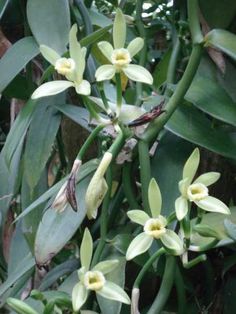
[139,245]
[138,73]
[76,53]
[106,48]
[51,88]
[86,249]
[183,186]
[79,296]
[154,198]
[49,54]
[212,204]
[119,30]
[135,46]
[172,242]
[129,113]
[112,291]
[191,165]
[181,207]
[83,88]
[106,266]
[138,216]
[105,72]
[208,178]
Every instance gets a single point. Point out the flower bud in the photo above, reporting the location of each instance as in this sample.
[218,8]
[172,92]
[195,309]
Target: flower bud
[207,231]
[60,201]
[97,187]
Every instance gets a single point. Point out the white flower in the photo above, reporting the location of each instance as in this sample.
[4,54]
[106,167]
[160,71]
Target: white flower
[197,190]
[94,279]
[72,68]
[153,227]
[120,57]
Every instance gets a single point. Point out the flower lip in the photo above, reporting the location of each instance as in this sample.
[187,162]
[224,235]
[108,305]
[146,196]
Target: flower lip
[65,66]
[155,227]
[120,57]
[197,192]
[94,280]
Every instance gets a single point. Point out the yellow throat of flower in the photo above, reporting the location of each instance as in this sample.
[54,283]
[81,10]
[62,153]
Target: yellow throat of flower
[155,227]
[197,192]
[94,280]
[65,66]
[120,57]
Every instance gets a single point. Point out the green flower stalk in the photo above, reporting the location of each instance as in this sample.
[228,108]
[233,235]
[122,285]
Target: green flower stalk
[72,68]
[196,191]
[120,57]
[154,227]
[95,279]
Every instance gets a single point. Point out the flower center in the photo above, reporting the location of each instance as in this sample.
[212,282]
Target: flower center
[197,192]
[155,227]
[120,57]
[94,280]
[65,66]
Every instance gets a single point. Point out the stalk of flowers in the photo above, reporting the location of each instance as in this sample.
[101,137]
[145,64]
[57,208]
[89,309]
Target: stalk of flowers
[95,279]
[154,227]
[72,68]
[196,191]
[120,58]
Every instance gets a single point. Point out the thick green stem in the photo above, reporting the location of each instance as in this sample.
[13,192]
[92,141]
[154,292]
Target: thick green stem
[171,73]
[181,295]
[145,172]
[194,25]
[89,141]
[166,285]
[155,127]
[128,187]
[142,59]
[146,266]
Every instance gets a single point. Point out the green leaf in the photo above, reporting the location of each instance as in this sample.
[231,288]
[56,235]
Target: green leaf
[213,100]
[40,138]
[190,124]
[95,36]
[117,276]
[98,19]
[18,88]
[15,59]
[222,40]
[160,72]
[56,229]
[50,22]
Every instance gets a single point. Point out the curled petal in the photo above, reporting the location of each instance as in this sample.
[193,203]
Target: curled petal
[212,204]
[181,207]
[138,216]
[79,296]
[105,72]
[51,88]
[83,88]
[138,73]
[135,46]
[114,292]
[139,245]
[106,48]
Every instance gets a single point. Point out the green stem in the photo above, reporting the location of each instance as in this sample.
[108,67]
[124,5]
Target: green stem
[181,295]
[128,187]
[146,266]
[155,127]
[205,247]
[145,172]
[199,259]
[142,59]
[166,285]
[89,141]
[118,93]
[194,25]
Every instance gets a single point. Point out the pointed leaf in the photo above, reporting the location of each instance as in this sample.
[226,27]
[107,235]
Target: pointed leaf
[154,198]
[86,249]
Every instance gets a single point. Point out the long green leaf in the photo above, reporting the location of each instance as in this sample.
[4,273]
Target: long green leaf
[190,124]
[15,59]
[50,22]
